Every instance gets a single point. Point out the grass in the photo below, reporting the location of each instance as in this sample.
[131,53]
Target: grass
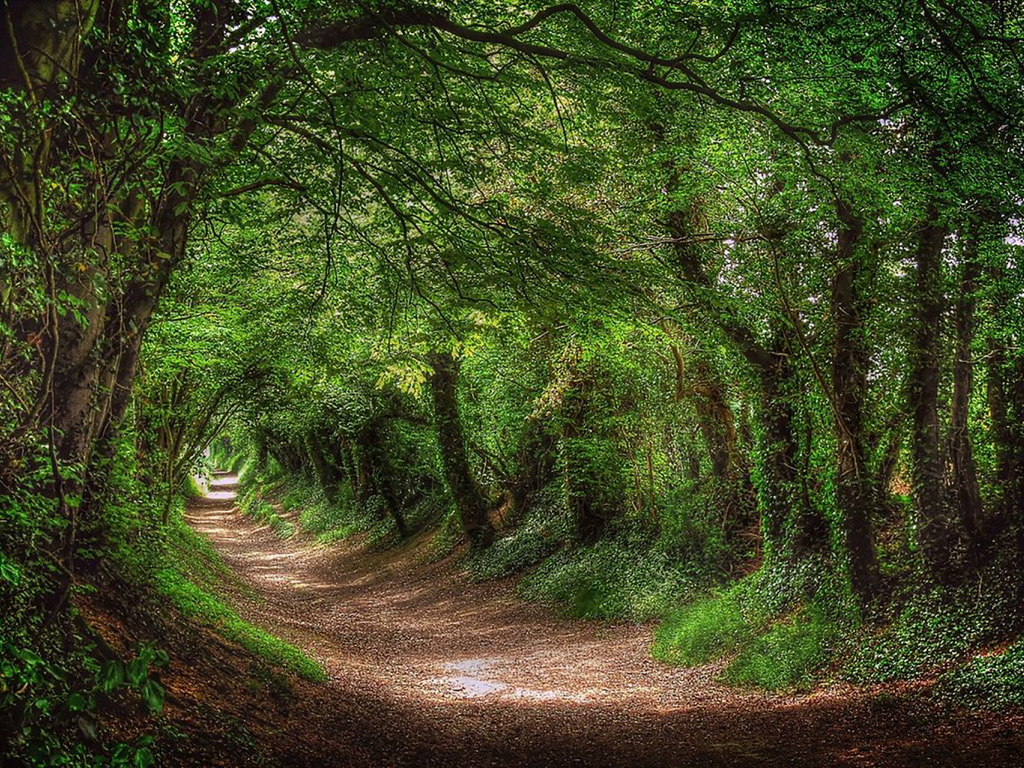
[254,504]
[767,640]
[790,655]
[708,629]
[190,579]
[778,645]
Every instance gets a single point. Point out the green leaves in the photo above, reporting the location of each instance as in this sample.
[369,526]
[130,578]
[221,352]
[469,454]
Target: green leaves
[137,672]
[112,676]
[76,702]
[153,695]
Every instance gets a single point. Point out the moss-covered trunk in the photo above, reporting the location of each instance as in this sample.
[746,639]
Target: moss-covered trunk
[934,533]
[855,484]
[451,441]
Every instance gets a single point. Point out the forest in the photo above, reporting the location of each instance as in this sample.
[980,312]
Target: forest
[401,383]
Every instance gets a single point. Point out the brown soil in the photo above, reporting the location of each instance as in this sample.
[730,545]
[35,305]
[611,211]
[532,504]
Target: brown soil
[428,669]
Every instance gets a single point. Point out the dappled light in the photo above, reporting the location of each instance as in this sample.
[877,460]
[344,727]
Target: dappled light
[432,383]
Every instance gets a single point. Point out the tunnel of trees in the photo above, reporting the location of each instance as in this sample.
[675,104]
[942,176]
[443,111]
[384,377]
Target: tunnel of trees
[732,288]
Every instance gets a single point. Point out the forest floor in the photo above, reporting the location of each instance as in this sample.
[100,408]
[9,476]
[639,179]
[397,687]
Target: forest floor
[427,668]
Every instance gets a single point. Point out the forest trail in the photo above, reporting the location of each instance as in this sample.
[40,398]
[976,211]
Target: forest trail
[427,668]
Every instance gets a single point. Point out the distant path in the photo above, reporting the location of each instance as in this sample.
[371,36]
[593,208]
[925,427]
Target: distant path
[478,676]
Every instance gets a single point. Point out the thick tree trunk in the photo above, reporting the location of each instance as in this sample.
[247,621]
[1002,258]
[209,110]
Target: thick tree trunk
[889,459]
[581,496]
[1005,395]
[855,486]
[791,528]
[262,452]
[470,500]
[1016,489]
[935,533]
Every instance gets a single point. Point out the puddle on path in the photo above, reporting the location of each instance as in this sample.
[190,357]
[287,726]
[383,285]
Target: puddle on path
[469,681]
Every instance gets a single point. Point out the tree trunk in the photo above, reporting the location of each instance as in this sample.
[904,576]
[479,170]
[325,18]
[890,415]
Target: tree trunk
[470,500]
[536,464]
[365,475]
[320,469]
[345,463]
[381,472]
[964,486]
[782,504]
[781,501]
[714,416]
[1005,396]
[890,454]
[935,534]
[855,486]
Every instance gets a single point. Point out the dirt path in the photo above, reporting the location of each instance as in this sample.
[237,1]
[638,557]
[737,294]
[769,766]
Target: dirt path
[446,671]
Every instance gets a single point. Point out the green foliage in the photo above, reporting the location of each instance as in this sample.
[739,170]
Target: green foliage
[609,580]
[710,628]
[331,521]
[994,678]
[766,638]
[934,630]
[758,304]
[51,714]
[790,655]
[255,501]
[537,536]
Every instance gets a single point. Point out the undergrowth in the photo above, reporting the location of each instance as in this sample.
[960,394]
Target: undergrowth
[766,638]
[952,636]
[783,629]
[57,676]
